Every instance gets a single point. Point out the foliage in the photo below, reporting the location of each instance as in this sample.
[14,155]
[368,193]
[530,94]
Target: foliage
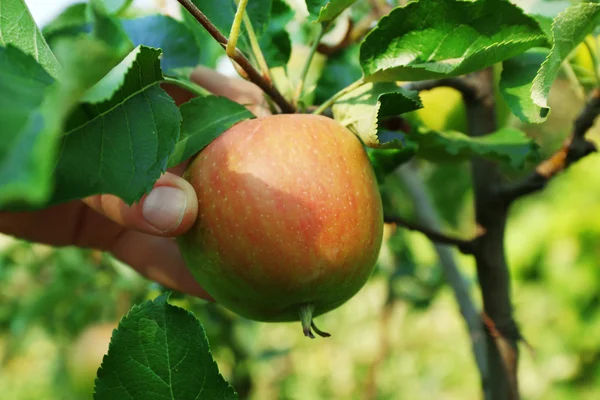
[83,111]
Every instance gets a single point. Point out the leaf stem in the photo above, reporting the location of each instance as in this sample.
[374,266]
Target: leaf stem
[260,57]
[235,28]
[189,86]
[309,59]
[328,103]
[253,75]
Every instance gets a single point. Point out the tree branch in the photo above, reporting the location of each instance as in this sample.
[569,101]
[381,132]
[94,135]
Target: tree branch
[426,214]
[574,149]
[253,75]
[465,246]
[491,213]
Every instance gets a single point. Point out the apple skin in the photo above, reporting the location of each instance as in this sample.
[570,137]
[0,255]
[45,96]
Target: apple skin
[289,215]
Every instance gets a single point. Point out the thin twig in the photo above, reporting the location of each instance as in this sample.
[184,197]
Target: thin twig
[574,149]
[253,75]
[465,246]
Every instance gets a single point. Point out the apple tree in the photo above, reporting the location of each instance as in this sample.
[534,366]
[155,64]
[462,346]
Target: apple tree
[87,108]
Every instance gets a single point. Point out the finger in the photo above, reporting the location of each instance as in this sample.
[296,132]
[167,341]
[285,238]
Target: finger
[158,259]
[170,209]
[238,90]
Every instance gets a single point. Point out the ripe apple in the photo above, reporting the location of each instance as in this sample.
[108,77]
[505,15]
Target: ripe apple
[290,220]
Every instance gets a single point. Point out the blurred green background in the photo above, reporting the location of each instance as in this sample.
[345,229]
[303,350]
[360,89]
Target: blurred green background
[400,337]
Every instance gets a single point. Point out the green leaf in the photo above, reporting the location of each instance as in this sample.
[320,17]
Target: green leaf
[327,10]
[116,6]
[120,140]
[134,73]
[18,28]
[530,98]
[275,41]
[160,351]
[507,145]
[276,47]
[204,119]
[85,60]
[259,18]
[516,82]
[545,24]
[71,20]
[341,70]
[210,50]
[362,109]
[434,39]
[33,108]
[27,137]
[221,13]
[163,32]
[385,161]
[108,29]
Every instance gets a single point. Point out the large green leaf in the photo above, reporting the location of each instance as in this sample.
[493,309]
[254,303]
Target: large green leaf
[33,108]
[71,21]
[516,82]
[119,141]
[527,79]
[205,118]
[162,32]
[159,352]
[18,28]
[507,145]
[275,41]
[433,39]
[107,28]
[362,109]
[116,6]
[27,137]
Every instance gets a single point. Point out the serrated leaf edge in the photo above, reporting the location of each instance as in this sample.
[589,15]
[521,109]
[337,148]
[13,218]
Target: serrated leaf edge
[161,299]
[424,67]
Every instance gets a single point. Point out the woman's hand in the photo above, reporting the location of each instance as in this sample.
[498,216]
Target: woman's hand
[140,235]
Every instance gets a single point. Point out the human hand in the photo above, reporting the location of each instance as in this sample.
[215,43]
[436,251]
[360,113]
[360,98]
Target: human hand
[140,235]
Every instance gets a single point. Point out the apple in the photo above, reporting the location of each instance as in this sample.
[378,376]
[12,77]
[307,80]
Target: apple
[290,220]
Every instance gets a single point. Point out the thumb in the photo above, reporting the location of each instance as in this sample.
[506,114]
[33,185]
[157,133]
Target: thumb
[170,209]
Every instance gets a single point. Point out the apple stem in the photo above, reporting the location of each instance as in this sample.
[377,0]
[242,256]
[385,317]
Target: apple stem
[308,326]
[318,331]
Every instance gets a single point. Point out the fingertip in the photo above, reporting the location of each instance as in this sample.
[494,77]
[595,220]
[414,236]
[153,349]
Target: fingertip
[187,199]
[170,209]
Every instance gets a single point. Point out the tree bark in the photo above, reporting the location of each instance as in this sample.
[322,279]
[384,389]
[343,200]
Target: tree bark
[491,213]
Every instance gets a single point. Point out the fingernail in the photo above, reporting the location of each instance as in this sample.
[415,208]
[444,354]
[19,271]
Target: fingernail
[164,208]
